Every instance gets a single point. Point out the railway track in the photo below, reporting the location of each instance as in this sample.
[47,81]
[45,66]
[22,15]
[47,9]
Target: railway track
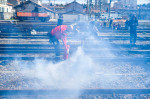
[99,59]
[46,37]
[124,49]
[140,46]
[46,26]
[83,92]
[22,46]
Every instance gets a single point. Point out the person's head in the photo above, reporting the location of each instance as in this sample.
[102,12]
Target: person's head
[133,17]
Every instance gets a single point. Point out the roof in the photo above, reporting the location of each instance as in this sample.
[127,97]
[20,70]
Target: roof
[97,11]
[57,7]
[74,11]
[27,2]
[71,3]
[9,4]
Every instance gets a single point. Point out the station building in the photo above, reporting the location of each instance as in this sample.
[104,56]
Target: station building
[73,12]
[14,2]
[30,10]
[6,11]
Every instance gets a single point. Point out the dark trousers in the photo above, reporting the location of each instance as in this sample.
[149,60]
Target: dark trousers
[133,36]
[57,48]
[56,44]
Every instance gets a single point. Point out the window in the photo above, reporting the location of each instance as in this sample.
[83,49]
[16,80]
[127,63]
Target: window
[3,2]
[2,9]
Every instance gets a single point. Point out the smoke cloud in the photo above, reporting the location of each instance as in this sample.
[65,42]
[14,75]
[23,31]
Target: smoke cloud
[82,71]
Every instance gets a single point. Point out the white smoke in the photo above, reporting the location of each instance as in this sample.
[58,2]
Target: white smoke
[81,71]
[72,73]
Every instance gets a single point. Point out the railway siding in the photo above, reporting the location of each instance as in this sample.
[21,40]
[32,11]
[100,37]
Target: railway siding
[18,44]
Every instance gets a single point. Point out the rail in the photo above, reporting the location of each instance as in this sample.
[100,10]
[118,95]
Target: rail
[73,91]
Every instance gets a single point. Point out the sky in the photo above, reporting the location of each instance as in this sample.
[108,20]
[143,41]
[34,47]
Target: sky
[84,1]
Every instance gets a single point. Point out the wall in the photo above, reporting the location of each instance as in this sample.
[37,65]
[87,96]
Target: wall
[5,15]
[112,16]
[27,8]
[132,4]
[74,7]
[74,18]
[6,11]
[14,2]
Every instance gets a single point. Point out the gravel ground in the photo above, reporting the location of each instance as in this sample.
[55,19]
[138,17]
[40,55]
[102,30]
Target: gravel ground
[23,74]
[125,75]
[102,96]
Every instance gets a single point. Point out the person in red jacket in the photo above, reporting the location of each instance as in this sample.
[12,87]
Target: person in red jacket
[60,33]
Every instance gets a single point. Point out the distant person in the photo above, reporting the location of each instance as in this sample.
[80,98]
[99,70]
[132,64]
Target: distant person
[60,21]
[118,27]
[110,23]
[133,23]
[60,33]
[114,26]
[127,24]
[93,28]
[99,26]
[104,23]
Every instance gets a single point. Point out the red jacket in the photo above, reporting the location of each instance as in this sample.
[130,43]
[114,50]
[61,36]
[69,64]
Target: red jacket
[60,33]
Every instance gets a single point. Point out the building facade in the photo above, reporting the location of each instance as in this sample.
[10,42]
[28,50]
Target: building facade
[36,1]
[3,6]
[6,11]
[13,2]
[73,12]
[74,8]
[130,4]
[30,10]
[102,5]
